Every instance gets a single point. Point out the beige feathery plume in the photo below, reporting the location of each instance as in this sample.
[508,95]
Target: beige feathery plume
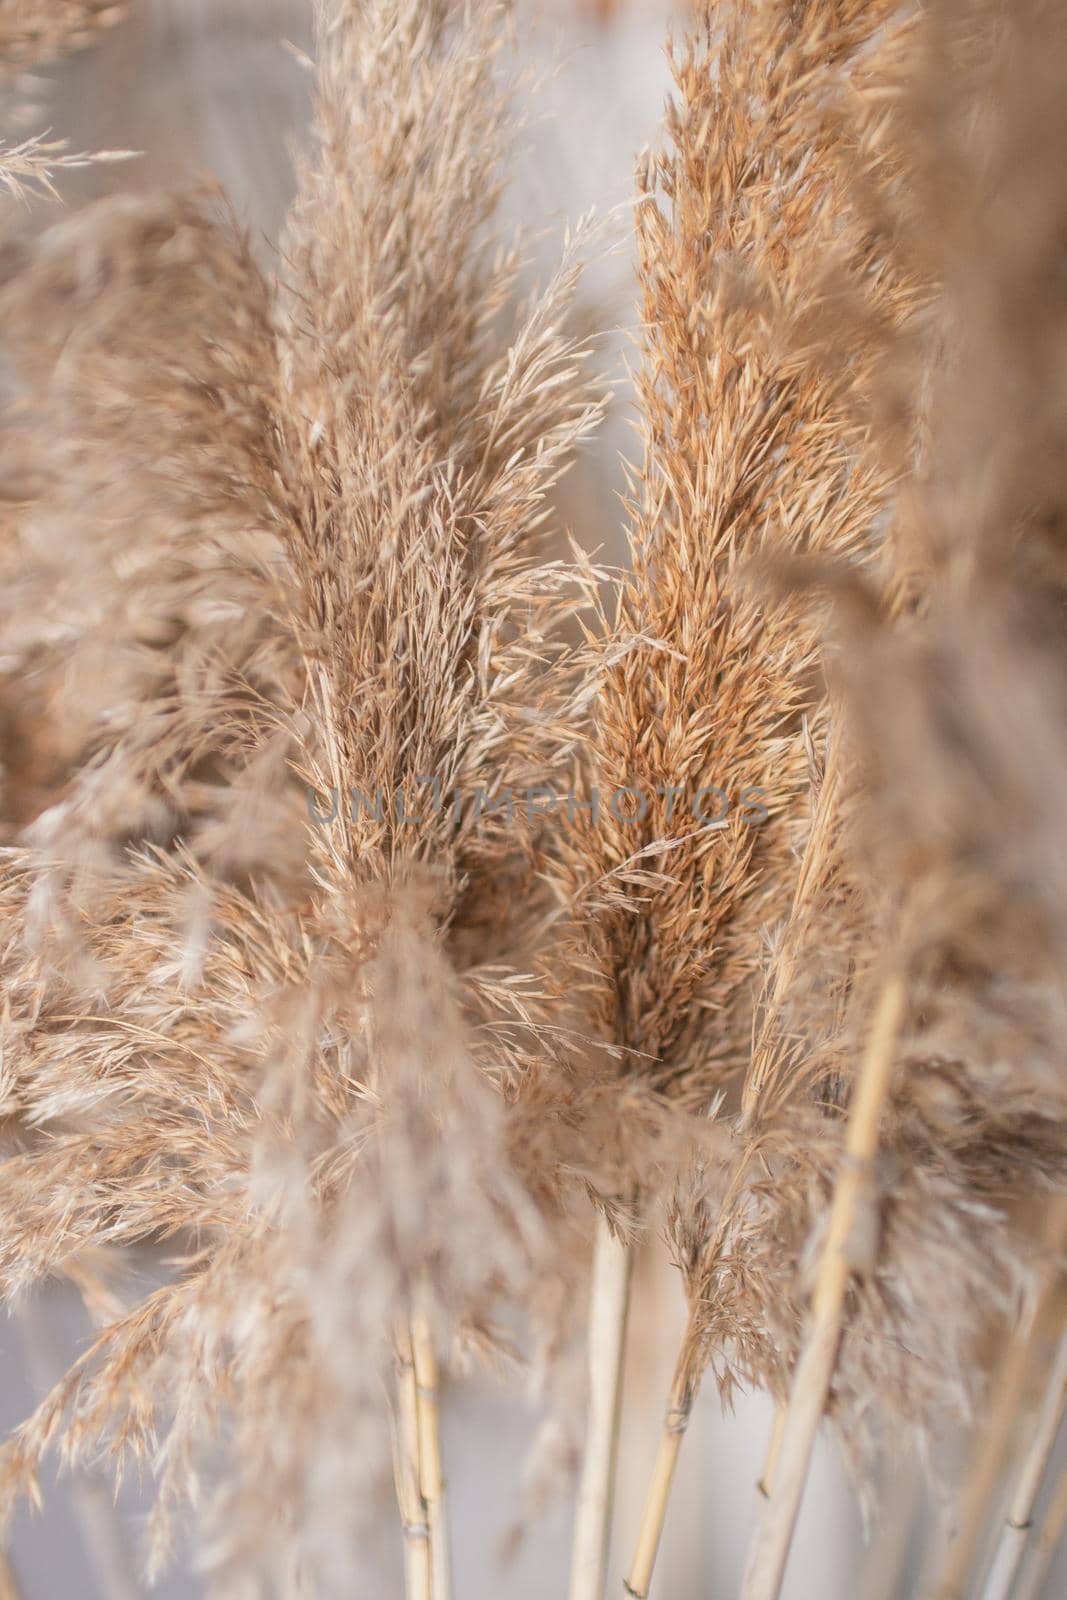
[699,690]
[282,610]
[702,686]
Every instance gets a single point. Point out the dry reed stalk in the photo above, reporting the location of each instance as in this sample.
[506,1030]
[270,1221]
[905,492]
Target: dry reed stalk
[774,1451]
[774,1075]
[9,1584]
[1044,1544]
[1018,1525]
[681,1398]
[654,1517]
[1012,1379]
[431,1470]
[811,1381]
[609,1307]
[763,1062]
[414,1518]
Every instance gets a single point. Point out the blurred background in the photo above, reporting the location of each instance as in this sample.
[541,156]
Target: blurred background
[212,87]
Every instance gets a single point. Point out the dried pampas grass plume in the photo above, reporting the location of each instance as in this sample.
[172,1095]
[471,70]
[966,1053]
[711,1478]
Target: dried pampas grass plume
[755,453]
[279,596]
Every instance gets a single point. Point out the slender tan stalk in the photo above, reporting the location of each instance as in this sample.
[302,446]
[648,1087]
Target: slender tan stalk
[677,1416]
[1015,1533]
[774,1450]
[811,1381]
[1044,1544]
[9,1584]
[608,1315]
[986,1473]
[993,1446]
[431,1474]
[651,1530]
[418,1583]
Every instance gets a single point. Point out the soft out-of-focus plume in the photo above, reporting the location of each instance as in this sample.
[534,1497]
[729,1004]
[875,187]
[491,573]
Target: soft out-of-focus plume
[35,31]
[940,837]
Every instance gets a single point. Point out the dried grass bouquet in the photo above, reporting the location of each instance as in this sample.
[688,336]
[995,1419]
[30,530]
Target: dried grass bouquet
[406,915]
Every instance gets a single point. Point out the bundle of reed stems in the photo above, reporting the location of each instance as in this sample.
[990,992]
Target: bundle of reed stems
[405,918]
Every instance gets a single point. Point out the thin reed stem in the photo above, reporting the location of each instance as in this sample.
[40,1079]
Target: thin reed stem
[431,1474]
[1015,1533]
[774,1450]
[418,1583]
[815,1367]
[993,1446]
[9,1583]
[677,1417]
[1044,1544]
[650,1532]
[675,1424]
[608,1313]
